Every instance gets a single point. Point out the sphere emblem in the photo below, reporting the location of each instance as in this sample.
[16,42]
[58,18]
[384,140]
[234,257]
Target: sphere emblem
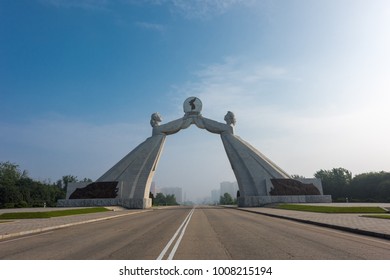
[192,105]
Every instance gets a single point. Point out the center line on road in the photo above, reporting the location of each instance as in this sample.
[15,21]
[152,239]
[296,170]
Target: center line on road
[180,230]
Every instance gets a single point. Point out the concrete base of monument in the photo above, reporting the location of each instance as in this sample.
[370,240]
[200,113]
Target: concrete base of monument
[258,201]
[126,203]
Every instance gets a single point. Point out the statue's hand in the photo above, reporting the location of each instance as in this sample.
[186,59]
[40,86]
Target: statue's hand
[186,122]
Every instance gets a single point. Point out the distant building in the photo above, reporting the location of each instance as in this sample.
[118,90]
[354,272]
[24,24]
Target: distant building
[230,188]
[215,196]
[178,192]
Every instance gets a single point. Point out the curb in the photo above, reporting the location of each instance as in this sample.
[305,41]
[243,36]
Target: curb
[39,230]
[343,228]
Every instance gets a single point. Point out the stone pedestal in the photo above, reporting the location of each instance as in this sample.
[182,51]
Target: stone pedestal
[97,202]
[258,201]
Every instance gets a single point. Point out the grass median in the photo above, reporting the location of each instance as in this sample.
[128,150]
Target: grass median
[51,214]
[333,209]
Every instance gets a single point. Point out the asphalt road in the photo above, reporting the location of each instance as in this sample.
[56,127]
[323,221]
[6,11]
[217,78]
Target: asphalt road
[195,234]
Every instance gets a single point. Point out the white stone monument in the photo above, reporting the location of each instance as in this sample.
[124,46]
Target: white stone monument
[260,181]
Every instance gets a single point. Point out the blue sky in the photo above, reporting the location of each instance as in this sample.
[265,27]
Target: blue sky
[308,82]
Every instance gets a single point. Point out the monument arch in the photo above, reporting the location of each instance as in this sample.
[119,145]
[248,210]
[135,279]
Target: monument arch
[128,182]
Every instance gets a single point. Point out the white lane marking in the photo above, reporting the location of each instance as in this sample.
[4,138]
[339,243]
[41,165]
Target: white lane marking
[172,254]
[182,226]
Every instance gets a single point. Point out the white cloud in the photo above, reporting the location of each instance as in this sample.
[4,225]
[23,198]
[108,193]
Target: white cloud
[237,83]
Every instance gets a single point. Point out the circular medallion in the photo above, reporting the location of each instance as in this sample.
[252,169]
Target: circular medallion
[192,105]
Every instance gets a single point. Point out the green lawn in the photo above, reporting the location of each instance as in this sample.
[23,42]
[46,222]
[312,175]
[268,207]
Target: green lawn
[331,209]
[51,214]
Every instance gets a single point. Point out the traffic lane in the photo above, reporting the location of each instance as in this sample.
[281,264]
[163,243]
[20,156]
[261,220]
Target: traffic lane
[140,236]
[232,234]
[200,241]
[150,241]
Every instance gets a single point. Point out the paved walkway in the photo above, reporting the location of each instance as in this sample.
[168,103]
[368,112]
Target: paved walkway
[355,223]
[348,222]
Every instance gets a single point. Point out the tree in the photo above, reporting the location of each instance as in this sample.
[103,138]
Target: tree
[10,197]
[161,199]
[170,199]
[59,184]
[384,190]
[335,182]
[86,180]
[18,190]
[226,199]
[10,174]
[372,186]
[68,179]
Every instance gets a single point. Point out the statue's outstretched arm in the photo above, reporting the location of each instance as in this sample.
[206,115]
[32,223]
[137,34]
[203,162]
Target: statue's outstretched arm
[192,118]
[172,127]
[213,126]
